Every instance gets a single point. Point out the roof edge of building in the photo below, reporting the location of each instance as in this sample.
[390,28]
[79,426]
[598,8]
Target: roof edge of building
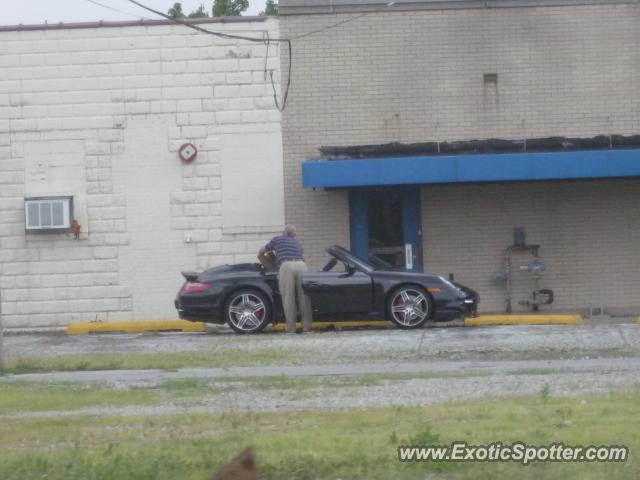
[309,7]
[128,23]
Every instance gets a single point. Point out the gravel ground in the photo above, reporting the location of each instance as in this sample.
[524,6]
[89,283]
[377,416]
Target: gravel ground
[450,368]
[411,392]
[478,363]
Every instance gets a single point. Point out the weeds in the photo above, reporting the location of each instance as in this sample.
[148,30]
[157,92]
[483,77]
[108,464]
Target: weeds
[545,393]
[67,396]
[163,361]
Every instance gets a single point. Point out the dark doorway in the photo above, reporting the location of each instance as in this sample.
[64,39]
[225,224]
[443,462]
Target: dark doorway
[386,223]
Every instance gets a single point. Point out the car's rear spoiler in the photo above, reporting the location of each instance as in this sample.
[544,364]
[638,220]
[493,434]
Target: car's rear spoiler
[190,276]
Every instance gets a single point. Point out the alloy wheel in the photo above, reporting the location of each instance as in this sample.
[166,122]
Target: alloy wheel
[247,312]
[409,307]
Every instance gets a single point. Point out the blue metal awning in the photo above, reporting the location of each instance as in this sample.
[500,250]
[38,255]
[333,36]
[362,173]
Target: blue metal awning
[471,168]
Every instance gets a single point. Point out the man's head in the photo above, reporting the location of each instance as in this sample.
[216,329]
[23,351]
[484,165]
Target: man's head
[289,230]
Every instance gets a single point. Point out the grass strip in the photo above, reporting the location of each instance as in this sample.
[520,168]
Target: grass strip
[350,444]
[130,361]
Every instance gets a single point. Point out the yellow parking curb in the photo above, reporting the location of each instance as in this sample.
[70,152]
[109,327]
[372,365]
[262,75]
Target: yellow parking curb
[281,327]
[135,327]
[523,320]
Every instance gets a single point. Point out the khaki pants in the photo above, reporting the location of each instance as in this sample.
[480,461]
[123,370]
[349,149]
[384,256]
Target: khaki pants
[290,284]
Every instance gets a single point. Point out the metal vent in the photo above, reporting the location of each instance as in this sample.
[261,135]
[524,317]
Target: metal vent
[48,214]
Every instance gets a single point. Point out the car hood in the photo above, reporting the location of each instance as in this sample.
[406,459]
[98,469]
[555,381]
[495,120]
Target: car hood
[426,276]
[395,272]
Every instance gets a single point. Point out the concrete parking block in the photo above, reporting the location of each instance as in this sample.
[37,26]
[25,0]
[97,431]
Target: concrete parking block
[83,328]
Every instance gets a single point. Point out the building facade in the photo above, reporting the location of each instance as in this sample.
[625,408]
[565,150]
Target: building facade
[98,113]
[426,132]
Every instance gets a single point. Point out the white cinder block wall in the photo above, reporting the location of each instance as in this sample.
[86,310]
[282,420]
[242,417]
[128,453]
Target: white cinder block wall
[99,113]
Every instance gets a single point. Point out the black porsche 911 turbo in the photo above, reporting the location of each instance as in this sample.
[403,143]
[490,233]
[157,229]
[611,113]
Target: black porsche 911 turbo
[246,295]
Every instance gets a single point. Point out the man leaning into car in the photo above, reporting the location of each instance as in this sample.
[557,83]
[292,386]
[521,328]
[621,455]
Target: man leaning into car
[290,260]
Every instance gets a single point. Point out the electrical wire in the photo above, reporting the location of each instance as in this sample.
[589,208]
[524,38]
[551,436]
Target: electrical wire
[333,25]
[193,26]
[265,39]
[342,22]
[109,7]
[198,28]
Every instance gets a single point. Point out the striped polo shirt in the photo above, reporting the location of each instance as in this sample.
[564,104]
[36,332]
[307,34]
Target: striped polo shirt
[285,248]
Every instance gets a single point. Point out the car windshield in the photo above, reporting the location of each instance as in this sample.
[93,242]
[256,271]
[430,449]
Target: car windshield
[378,263]
[369,264]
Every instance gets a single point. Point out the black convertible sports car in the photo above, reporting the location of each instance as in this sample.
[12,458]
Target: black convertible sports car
[246,295]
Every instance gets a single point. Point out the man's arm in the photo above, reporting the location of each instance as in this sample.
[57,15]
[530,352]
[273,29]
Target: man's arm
[267,248]
[267,258]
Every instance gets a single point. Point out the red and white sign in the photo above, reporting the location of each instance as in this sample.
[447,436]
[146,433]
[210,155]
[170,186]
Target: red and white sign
[188,152]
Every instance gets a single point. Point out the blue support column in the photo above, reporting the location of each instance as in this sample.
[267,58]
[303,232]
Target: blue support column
[359,225]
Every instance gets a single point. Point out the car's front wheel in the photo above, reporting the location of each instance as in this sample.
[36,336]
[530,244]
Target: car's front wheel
[409,307]
[247,311]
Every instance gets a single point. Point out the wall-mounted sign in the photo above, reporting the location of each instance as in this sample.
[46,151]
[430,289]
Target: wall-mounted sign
[188,152]
[408,256]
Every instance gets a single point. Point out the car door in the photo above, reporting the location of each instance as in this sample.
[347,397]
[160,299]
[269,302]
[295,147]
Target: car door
[334,293]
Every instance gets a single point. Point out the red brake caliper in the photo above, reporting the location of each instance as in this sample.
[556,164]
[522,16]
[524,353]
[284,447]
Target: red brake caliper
[399,303]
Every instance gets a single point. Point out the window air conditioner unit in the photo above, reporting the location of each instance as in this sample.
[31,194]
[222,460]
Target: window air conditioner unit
[48,214]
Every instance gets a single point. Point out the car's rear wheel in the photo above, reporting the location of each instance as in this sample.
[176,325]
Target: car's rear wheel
[409,307]
[247,311]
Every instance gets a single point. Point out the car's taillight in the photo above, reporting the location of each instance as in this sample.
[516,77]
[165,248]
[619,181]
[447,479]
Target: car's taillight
[195,287]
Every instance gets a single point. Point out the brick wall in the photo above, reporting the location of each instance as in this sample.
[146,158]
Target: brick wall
[588,232]
[414,76]
[117,102]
